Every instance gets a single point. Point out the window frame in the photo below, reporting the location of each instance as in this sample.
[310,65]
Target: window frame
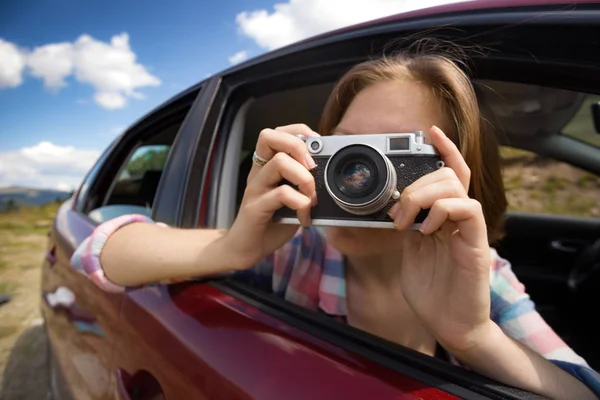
[102,176]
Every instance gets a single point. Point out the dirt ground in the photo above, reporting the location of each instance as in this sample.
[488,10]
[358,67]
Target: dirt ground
[23,373]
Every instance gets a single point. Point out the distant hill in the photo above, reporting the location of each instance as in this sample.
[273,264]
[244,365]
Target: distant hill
[19,196]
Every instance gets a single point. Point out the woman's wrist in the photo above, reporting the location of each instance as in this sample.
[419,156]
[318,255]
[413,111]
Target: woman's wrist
[473,341]
[221,255]
[480,340]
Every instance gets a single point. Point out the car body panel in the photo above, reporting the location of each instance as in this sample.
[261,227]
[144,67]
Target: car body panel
[202,343]
[81,334]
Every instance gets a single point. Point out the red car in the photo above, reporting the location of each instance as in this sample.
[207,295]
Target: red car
[185,164]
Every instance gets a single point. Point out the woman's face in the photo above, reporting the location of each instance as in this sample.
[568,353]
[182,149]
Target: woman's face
[384,107]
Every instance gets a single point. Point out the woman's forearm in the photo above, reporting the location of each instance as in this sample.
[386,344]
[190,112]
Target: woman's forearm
[505,360]
[142,253]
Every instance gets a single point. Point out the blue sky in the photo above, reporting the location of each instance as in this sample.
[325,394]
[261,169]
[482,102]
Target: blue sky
[75,74]
[178,42]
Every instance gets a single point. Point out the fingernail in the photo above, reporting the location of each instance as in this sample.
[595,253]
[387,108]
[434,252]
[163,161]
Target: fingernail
[441,132]
[313,198]
[310,163]
[395,208]
[398,218]
[316,133]
[424,225]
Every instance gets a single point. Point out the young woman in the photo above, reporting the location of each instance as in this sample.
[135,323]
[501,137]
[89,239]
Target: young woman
[442,286]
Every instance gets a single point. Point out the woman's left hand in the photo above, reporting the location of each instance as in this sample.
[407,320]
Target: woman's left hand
[446,266]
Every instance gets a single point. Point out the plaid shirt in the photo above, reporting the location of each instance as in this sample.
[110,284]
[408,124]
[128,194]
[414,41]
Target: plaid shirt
[310,273]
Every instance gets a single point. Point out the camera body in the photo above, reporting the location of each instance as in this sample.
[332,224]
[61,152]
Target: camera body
[358,178]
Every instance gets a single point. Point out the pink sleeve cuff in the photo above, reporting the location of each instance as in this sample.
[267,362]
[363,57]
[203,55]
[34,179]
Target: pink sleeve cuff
[86,258]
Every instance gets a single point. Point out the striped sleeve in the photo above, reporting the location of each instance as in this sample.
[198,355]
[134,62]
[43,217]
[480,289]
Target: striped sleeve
[86,258]
[515,312]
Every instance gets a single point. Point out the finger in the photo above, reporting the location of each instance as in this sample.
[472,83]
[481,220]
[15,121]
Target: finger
[413,202]
[465,213]
[439,175]
[271,142]
[298,129]
[281,167]
[450,155]
[283,196]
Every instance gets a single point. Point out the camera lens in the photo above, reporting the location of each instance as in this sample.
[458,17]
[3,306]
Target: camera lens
[360,179]
[355,178]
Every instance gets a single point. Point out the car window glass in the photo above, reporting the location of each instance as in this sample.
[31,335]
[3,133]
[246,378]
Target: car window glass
[538,184]
[581,126]
[135,186]
[139,177]
[82,195]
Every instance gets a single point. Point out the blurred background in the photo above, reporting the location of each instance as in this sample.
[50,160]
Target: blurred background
[75,75]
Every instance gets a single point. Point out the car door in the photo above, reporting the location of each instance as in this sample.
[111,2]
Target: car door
[82,321]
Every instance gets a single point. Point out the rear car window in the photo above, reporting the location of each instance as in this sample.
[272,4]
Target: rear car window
[538,184]
[581,126]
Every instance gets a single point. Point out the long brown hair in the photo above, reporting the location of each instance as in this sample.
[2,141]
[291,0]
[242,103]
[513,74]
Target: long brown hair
[464,124]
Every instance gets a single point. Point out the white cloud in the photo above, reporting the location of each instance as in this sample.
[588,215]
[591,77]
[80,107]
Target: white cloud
[46,165]
[110,68]
[12,62]
[299,19]
[52,63]
[110,100]
[238,57]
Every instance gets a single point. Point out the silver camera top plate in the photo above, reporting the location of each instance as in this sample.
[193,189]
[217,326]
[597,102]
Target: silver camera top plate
[387,143]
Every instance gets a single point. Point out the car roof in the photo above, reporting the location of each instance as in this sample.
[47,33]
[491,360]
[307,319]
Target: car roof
[454,7]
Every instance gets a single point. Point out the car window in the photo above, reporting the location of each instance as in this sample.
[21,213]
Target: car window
[139,176]
[134,187]
[538,184]
[131,178]
[581,126]
[82,194]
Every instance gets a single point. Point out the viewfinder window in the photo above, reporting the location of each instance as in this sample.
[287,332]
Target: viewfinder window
[400,143]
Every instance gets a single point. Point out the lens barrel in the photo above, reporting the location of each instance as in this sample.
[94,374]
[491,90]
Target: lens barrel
[360,179]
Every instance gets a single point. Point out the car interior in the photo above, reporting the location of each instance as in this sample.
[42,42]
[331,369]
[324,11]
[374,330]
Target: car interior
[134,187]
[525,117]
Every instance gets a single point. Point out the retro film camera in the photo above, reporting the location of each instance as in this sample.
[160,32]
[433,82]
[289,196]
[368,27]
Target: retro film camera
[358,178]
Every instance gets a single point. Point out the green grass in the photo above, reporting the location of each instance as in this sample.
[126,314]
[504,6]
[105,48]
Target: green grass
[554,184]
[511,153]
[7,287]
[588,181]
[512,183]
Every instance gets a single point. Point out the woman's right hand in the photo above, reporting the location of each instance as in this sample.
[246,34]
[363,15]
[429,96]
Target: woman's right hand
[253,234]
